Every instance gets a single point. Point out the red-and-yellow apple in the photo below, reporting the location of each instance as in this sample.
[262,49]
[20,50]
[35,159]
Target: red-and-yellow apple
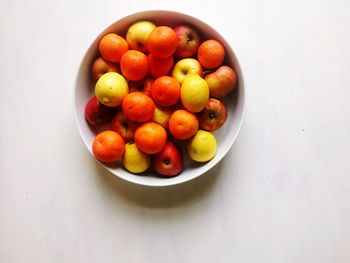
[138,34]
[213,116]
[168,162]
[221,81]
[101,66]
[125,127]
[143,86]
[135,85]
[147,86]
[162,115]
[188,41]
[97,113]
[186,67]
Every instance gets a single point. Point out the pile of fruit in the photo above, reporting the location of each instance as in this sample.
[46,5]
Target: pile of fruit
[158,92]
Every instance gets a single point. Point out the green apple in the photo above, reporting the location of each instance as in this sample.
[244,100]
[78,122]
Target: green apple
[111,88]
[134,160]
[202,146]
[138,34]
[194,93]
[186,67]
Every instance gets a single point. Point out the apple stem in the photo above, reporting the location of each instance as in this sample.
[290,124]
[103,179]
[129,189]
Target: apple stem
[206,72]
[189,38]
[139,45]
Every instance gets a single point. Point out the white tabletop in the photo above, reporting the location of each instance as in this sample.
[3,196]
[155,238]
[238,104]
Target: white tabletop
[281,195]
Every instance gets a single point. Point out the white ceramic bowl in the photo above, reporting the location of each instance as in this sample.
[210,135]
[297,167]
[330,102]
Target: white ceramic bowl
[225,136]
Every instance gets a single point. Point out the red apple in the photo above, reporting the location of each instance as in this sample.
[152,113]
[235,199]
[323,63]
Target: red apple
[168,162]
[147,85]
[101,66]
[221,81]
[143,86]
[125,127]
[96,113]
[135,85]
[188,41]
[213,116]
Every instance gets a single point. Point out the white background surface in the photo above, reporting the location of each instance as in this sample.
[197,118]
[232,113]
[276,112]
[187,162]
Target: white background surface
[281,195]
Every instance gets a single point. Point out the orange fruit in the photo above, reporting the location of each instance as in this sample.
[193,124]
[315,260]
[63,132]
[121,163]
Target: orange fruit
[162,42]
[108,146]
[150,137]
[183,124]
[211,54]
[165,91]
[112,47]
[138,107]
[160,66]
[134,65]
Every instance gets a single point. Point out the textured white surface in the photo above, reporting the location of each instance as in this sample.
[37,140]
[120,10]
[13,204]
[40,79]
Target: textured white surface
[281,195]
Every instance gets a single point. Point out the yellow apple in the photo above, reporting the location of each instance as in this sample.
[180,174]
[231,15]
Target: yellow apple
[202,146]
[194,93]
[111,88]
[138,34]
[186,67]
[134,160]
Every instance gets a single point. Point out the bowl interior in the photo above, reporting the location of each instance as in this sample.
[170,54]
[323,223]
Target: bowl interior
[225,136]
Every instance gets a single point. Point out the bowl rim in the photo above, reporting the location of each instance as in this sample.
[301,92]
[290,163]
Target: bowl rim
[210,165]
